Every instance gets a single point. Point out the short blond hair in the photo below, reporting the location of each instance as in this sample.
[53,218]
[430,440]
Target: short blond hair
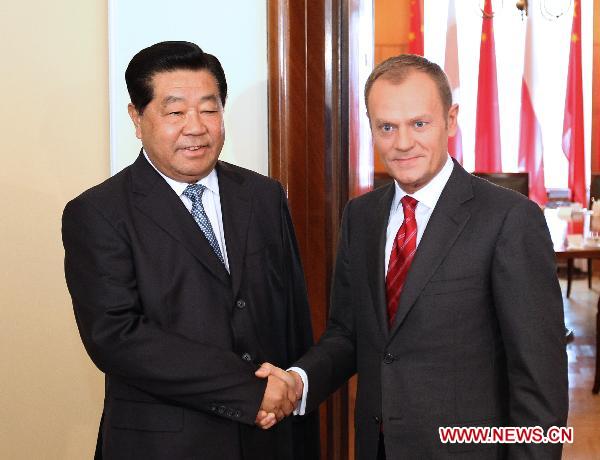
[397,68]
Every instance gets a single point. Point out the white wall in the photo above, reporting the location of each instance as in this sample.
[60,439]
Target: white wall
[235,31]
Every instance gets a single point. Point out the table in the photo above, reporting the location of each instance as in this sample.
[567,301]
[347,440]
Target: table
[578,226]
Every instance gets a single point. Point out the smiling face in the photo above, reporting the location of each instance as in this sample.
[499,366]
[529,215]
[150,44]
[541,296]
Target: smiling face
[410,128]
[182,128]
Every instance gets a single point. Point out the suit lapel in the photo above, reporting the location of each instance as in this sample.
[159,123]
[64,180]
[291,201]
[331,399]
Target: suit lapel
[157,200]
[376,246]
[236,210]
[445,225]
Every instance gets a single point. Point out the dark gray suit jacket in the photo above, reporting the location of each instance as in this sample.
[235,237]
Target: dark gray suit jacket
[478,339]
[178,337]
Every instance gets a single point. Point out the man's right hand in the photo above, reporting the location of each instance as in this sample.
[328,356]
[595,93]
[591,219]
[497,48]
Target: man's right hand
[280,397]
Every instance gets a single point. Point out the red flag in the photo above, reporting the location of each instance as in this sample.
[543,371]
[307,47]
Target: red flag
[573,141]
[451,69]
[415,30]
[531,151]
[487,125]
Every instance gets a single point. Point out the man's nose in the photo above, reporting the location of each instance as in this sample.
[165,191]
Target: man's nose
[404,140]
[194,125]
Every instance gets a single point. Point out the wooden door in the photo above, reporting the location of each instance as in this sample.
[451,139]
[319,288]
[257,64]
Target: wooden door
[315,149]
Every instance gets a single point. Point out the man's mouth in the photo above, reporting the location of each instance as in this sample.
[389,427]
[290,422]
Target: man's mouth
[403,159]
[193,148]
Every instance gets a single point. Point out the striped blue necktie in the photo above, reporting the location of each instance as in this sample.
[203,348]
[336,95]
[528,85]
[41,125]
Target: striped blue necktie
[194,193]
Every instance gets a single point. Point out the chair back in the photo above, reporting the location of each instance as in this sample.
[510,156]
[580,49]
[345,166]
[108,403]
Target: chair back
[594,188]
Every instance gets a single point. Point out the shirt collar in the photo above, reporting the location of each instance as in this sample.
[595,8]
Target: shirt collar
[211,181]
[430,193]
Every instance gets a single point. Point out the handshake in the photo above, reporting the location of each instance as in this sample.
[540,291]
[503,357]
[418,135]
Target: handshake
[284,390]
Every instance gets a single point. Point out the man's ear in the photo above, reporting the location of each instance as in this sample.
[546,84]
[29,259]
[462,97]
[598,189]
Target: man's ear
[136,117]
[452,120]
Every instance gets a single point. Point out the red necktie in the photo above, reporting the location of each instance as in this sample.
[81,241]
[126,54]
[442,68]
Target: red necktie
[403,251]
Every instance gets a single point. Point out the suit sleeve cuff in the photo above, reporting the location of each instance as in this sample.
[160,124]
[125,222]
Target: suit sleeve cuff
[301,406]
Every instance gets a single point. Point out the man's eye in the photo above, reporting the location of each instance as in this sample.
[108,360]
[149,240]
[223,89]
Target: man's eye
[420,124]
[387,128]
[176,113]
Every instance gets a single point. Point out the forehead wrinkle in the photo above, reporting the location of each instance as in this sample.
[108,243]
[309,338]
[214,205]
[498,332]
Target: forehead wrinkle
[172,99]
[421,116]
[409,118]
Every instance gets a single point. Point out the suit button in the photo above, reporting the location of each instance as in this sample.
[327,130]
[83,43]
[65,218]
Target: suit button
[240,304]
[376,419]
[388,358]
[221,410]
[247,357]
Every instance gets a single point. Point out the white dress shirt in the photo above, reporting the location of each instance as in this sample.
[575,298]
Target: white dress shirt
[211,200]
[427,197]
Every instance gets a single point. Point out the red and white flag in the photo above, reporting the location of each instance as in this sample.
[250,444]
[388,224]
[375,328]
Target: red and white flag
[415,30]
[531,150]
[573,139]
[451,69]
[487,125]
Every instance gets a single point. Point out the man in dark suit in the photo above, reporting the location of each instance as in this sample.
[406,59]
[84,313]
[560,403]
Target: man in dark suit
[445,299]
[185,276]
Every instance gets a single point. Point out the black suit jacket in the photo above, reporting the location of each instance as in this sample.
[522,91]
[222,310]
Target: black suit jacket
[178,337]
[478,339]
